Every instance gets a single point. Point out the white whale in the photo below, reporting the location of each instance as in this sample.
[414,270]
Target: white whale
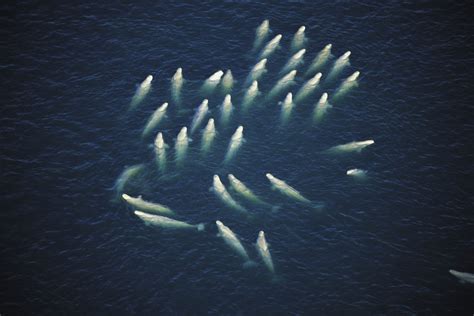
[293,62]
[227,82]
[223,195]
[233,242]
[181,146]
[347,85]
[126,175]
[264,252]
[271,46]
[177,82]
[234,144]
[211,83]
[285,189]
[141,92]
[308,88]
[357,173]
[166,222]
[241,189]
[155,119]
[352,146]
[256,72]
[282,85]
[208,136]
[321,108]
[199,115]
[226,110]
[146,206]
[338,66]
[160,152]
[250,96]
[286,108]
[261,34]
[464,277]
[319,61]
[299,39]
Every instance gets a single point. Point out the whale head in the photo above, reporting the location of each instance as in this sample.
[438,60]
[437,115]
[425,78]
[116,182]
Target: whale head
[346,55]
[216,76]
[179,72]
[148,79]
[354,76]
[301,29]
[228,98]
[210,125]
[182,133]
[261,234]
[159,142]
[126,197]
[328,47]
[288,98]
[299,54]
[269,176]
[324,98]
[219,223]
[163,107]
[277,38]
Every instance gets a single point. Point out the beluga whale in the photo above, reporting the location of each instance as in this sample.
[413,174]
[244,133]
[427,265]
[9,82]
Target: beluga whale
[140,204]
[338,66]
[261,34]
[464,277]
[235,143]
[177,82]
[166,222]
[226,110]
[285,189]
[241,189]
[357,173]
[351,147]
[211,83]
[282,85]
[233,242]
[308,88]
[199,115]
[321,108]
[208,136]
[256,72]
[347,85]
[160,152]
[319,61]
[227,82]
[155,119]
[250,95]
[181,146]
[126,175]
[222,194]
[264,251]
[271,46]
[299,39]
[286,108]
[141,92]
[293,62]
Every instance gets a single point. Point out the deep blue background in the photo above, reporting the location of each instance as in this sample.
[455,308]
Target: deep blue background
[383,246]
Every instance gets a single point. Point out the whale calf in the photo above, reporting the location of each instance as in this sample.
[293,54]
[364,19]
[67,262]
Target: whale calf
[199,115]
[286,108]
[293,62]
[181,146]
[308,88]
[338,66]
[271,46]
[141,92]
[233,242]
[208,136]
[261,34]
[241,189]
[349,83]
[282,85]
[264,252]
[126,175]
[352,146]
[226,110]
[222,193]
[321,107]
[155,119]
[160,152]
[227,82]
[256,72]
[211,83]
[234,144]
[319,61]
[285,189]
[146,206]
[177,82]
[250,95]
[166,222]
[464,277]
[299,39]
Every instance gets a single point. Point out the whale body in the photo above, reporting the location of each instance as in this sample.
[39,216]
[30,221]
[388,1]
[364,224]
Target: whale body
[126,175]
[358,173]
[271,46]
[293,62]
[211,83]
[463,276]
[227,82]
[264,252]
[250,95]
[146,206]
[232,241]
[282,85]
[166,222]
[320,60]
[181,146]
[222,193]
[234,144]
[338,66]
[285,189]
[160,152]
[155,119]
[241,189]
[226,109]
[352,146]
[177,82]
[321,107]
[208,136]
[256,72]
[199,116]
[141,92]
[308,88]
[286,108]
[261,34]
[299,39]
[349,83]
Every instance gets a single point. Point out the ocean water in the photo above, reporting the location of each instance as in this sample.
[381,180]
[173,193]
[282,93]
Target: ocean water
[382,246]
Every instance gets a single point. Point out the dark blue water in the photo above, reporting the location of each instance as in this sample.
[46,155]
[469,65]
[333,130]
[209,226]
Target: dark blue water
[383,246]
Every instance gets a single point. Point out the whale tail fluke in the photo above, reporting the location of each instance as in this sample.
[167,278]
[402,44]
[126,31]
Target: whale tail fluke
[201,227]
[249,264]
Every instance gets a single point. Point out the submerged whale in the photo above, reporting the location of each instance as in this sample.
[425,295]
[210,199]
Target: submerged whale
[146,206]
[233,242]
[235,143]
[264,252]
[141,92]
[166,222]
[223,195]
[226,110]
[160,152]
[285,189]
[177,85]
[261,34]
[199,115]
[181,146]
[208,136]
[319,61]
[241,189]
[155,119]
[126,175]
[464,277]
[271,46]
[256,72]
[299,39]
[350,147]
